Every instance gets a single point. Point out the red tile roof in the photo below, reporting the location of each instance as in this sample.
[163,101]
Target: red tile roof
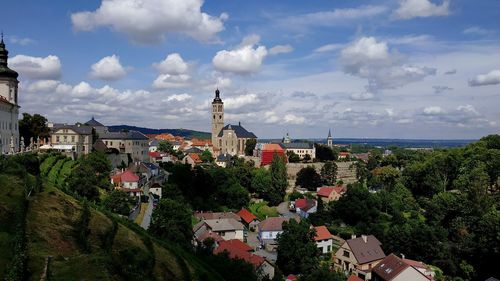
[354,278]
[198,142]
[208,234]
[128,176]
[155,154]
[305,204]
[236,253]
[291,277]
[322,233]
[272,147]
[195,157]
[234,244]
[325,191]
[246,216]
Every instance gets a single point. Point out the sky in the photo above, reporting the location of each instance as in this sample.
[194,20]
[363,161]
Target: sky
[421,69]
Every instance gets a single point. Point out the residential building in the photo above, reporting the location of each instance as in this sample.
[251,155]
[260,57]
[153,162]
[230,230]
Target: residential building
[359,256]
[248,219]
[323,239]
[72,140]
[267,153]
[239,250]
[344,155]
[229,139]
[192,159]
[393,268]
[331,193]
[127,181]
[226,228]
[9,106]
[132,143]
[223,160]
[268,230]
[304,207]
[156,189]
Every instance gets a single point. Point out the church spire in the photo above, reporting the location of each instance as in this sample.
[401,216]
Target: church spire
[329,133]
[217,98]
[5,71]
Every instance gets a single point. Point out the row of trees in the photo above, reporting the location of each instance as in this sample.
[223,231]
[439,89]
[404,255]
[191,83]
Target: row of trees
[310,179]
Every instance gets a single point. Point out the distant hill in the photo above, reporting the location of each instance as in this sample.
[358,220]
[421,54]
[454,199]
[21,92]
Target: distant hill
[176,132]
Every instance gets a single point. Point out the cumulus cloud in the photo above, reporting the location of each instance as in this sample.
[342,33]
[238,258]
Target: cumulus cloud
[371,59]
[280,49]
[294,119]
[165,81]
[181,97]
[461,116]
[475,30]
[149,21]
[245,59]
[433,110]
[108,68]
[409,9]
[241,101]
[362,96]
[172,64]
[37,67]
[490,78]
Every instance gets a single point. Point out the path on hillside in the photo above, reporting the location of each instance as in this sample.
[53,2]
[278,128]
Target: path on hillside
[147,216]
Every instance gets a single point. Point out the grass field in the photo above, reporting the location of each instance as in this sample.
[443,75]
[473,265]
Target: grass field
[261,210]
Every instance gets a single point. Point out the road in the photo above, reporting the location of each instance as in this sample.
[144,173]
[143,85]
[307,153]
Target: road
[147,216]
[284,211]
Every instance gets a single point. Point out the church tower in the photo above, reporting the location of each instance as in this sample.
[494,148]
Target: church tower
[217,118]
[9,108]
[329,140]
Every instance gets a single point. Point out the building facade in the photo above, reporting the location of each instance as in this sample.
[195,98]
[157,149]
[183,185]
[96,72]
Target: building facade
[9,107]
[72,139]
[132,143]
[229,139]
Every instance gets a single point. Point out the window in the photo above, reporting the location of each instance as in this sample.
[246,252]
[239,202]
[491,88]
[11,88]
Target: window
[329,248]
[57,138]
[346,254]
[72,138]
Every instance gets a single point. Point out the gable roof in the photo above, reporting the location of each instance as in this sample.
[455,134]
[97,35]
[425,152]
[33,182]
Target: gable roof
[239,131]
[305,204]
[195,157]
[391,266]
[130,135]
[322,233]
[224,158]
[246,216]
[272,147]
[236,253]
[79,129]
[272,224]
[128,176]
[224,224]
[325,191]
[93,123]
[366,251]
[234,244]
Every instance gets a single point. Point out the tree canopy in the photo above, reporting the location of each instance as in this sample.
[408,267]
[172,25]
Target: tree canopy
[308,178]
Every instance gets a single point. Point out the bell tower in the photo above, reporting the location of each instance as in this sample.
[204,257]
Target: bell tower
[217,118]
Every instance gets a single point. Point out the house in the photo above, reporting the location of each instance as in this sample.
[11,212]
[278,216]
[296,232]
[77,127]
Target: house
[323,239]
[354,277]
[72,140]
[156,189]
[132,143]
[248,219]
[153,145]
[344,155]
[223,160]
[268,151]
[239,250]
[192,159]
[330,193]
[128,182]
[362,156]
[268,231]
[226,228]
[359,256]
[393,268]
[304,207]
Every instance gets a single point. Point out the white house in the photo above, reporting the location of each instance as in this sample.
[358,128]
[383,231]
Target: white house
[226,228]
[304,207]
[323,239]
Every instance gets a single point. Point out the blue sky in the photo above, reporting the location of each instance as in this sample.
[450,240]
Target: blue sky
[375,69]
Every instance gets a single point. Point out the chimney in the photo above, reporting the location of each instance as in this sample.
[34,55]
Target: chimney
[353,236]
[365,238]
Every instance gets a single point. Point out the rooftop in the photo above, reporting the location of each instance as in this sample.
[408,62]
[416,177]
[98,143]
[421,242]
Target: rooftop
[239,131]
[366,248]
[322,233]
[130,135]
[224,224]
[246,216]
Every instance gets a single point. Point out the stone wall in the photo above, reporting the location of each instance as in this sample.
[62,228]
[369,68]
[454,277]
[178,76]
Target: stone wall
[345,173]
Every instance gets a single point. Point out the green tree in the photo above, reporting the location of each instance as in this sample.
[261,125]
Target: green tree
[250,146]
[33,126]
[384,177]
[292,157]
[324,274]
[279,181]
[362,172]
[165,146]
[261,182]
[297,251]
[206,157]
[357,205]
[118,202]
[307,158]
[325,153]
[308,178]
[171,220]
[329,173]
[84,182]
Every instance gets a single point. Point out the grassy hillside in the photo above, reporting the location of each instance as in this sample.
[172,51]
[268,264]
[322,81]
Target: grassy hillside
[117,252]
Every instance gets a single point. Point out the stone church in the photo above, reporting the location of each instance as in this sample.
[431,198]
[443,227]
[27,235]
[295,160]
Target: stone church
[229,139]
[9,107]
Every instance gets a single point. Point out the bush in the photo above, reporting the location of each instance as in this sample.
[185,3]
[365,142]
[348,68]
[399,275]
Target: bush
[82,230]
[53,174]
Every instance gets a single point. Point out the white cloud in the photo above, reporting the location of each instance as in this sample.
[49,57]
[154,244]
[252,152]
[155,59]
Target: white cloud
[172,64]
[181,97]
[43,86]
[475,30]
[371,59]
[280,49]
[241,101]
[37,67]
[294,119]
[433,110]
[362,96]
[21,41]
[409,9]
[108,68]
[245,59]
[149,21]
[335,17]
[329,48]
[490,78]
[82,89]
[165,81]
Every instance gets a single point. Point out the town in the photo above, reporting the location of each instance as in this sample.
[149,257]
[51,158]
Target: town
[84,198]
